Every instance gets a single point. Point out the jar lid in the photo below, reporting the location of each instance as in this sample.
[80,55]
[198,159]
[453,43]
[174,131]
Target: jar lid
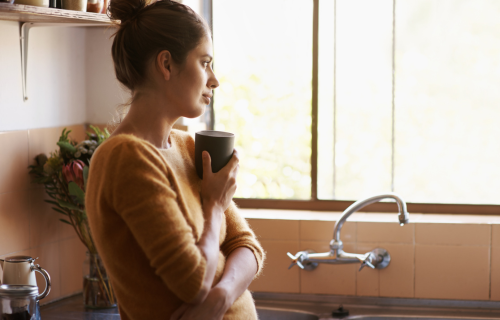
[18,290]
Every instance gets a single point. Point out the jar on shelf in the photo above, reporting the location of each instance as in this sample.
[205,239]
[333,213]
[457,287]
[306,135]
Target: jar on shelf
[76,5]
[37,3]
[95,5]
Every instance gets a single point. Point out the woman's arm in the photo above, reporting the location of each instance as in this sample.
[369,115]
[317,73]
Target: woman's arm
[240,269]
[217,190]
[239,272]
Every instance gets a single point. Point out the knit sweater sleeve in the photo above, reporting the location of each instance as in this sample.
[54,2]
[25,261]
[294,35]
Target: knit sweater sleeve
[136,185]
[239,234]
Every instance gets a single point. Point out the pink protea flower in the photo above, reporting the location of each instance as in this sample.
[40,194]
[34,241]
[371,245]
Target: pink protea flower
[74,172]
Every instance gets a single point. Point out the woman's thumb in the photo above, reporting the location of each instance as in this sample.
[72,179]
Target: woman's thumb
[207,163]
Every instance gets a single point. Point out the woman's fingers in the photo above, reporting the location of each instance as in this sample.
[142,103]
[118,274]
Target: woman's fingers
[179,312]
[218,188]
[207,163]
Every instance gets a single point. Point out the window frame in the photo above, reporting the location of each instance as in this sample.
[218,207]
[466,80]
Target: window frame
[315,204]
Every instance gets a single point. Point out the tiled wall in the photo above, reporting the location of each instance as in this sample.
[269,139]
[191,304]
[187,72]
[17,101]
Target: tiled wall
[28,225]
[436,260]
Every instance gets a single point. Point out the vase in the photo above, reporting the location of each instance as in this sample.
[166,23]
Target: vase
[97,290]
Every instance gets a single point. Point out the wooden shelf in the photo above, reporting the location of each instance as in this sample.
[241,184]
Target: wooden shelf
[24,13]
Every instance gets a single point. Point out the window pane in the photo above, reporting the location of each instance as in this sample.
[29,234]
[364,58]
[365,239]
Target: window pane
[364,98]
[447,100]
[263,60]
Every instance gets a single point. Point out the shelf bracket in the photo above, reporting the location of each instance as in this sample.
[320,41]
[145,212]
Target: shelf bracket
[24,38]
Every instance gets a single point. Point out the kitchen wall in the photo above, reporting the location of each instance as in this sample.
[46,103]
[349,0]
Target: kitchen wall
[433,257]
[70,83]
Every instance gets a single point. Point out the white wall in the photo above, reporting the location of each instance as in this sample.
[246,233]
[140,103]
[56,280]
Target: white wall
[70,81]
[104,93]
[56,78]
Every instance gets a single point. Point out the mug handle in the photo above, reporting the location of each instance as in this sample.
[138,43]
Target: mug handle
[45,274]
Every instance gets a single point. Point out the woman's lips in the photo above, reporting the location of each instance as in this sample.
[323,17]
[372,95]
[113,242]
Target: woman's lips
[207,97]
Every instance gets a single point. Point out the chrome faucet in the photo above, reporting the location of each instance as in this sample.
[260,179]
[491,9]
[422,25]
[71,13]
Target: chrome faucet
[378,258]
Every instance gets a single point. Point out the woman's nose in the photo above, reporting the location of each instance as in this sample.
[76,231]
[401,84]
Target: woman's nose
[213,82]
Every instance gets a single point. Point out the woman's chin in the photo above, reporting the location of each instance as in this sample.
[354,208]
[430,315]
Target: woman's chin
[196,113]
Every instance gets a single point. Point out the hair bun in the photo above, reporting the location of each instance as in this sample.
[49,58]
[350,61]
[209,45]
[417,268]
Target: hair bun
[125,10]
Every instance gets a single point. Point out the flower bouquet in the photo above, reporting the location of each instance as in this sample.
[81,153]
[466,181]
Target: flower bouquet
[64,175]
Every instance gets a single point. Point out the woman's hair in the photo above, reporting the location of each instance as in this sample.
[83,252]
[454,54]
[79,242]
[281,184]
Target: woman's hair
[146,30]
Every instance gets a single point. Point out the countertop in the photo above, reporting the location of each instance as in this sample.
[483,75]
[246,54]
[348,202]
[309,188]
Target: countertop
[388,308]
[72,309]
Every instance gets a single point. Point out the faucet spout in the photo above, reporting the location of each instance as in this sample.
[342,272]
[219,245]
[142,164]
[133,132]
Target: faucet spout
[358,205]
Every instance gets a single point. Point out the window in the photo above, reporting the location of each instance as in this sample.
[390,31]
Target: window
[402,94]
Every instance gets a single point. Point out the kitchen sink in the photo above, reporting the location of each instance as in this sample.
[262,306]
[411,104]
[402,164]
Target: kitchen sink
[403,317]
[283,314]
[278,306]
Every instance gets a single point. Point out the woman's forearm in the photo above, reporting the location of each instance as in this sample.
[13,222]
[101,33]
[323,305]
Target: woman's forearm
[239,271]
[209,247]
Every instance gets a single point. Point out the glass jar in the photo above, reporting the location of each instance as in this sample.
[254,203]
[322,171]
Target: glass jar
[97,290]
[18,302]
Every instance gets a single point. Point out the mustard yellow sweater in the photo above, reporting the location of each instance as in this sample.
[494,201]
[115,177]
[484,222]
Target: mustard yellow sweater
[144,210]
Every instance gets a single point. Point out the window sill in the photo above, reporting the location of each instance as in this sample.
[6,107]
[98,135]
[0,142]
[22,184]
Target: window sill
[275,214]
[339,206]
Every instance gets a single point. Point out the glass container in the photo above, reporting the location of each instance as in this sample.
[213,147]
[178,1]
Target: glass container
[97,290]
[18,302]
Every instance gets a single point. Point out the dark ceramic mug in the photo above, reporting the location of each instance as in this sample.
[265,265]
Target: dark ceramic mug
[220,146]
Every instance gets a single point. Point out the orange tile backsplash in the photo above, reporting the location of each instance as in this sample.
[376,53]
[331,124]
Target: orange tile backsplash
[385,232]
[28,225]
[438,260]
[14,159]
[453,234]
[452,272]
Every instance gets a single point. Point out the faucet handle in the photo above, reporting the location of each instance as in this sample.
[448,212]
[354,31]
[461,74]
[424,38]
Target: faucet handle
[302,260]
[367,261]
[295,260]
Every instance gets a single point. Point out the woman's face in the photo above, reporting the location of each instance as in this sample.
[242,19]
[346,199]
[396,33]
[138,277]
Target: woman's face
[194,81]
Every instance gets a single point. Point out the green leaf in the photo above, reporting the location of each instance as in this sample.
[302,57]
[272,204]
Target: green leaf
[64,135]
[68,205]
[66,146]
[76,191]
[85,176]
[65,221]
[84,214]
[60,211]
[51,202]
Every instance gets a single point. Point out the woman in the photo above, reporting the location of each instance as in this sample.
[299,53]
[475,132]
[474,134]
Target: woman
[175,246]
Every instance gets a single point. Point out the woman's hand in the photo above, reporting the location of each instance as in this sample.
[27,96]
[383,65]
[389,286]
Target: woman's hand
[214,307]
[217,189]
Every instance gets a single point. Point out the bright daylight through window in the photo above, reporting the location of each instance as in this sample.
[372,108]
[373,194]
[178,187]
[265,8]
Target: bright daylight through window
[408,97]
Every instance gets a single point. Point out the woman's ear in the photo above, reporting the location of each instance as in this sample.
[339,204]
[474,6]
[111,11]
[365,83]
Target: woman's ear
[164,64]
